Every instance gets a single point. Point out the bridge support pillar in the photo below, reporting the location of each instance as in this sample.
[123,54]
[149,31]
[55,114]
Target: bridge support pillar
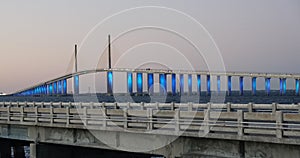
[76,84]
[282,86]
[139,83]
[64,86]
[150,83]
[109,82]
[129,82]
[54,85]
[33,150]
[199,84]
[173,84]
[59,87]
[268,86]
[163,84]
[229,86]
[181,84]
[190,83]
[297,86]
[253,85]
[241,85]
[219,84]
[208,84]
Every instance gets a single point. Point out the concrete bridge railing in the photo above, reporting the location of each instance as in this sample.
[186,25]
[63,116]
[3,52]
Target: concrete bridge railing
[269,123]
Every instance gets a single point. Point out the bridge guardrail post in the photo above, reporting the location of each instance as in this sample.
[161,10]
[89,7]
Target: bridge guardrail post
[279,120]
[51,115]
[128,105]
[8,113]
[274,108]
[142,106]
[240,119]
[177,121]
[250,107]
[68,116]
[115,105]
[190,106]
[172,106]
[125,115]
[22,114]
[104,124]
[157,105]
[228,105]
[36,114]
[91,105]
[150,119]
[85,118]
[298,108]
[206,121]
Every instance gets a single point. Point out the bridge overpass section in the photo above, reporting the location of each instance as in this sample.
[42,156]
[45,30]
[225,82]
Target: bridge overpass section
[168,129]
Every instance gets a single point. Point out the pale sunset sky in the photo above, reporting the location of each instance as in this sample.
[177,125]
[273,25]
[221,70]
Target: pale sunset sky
[37,37]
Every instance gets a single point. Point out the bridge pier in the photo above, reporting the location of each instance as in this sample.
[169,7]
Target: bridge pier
[268,86]
[208,84]
[253,85]
[199,84]
[54,84]
[190,84]
[109,82]
[76,84]
[219,84]
[282,86]
[229,85]
[129,83]
[181,84]
[241,85]
[163,84]
[150,83]
[65,86]
[173,84]
[139,83]
[33,153]
[297,86]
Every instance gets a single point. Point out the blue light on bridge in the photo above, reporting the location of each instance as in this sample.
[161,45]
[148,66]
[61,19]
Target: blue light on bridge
[76,84]
[181,83]
[190,82]
[199,84]
[297,85]
[253,85]
[139,82]
[219,83]
[65,86]
[284,86]
[50,89]
[163,84]
[208,84]
[54,87]
[129,82]
[173,84]
[109,82]
[59,87]
[280,86]
[241,85]
[268,85]
[229,85]
[150,83]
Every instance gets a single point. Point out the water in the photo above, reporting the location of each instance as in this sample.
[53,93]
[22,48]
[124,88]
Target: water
[260,98]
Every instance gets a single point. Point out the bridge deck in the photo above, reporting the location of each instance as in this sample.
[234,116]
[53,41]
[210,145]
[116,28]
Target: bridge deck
[263,122]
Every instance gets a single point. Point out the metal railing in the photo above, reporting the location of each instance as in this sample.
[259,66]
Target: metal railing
[272,120]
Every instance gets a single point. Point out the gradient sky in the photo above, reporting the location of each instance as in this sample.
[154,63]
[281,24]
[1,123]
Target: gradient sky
[37,37]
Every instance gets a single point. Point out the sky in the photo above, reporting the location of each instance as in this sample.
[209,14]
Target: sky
[37,37]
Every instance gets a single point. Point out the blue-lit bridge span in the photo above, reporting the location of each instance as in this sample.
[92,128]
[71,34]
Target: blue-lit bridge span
[58,86]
